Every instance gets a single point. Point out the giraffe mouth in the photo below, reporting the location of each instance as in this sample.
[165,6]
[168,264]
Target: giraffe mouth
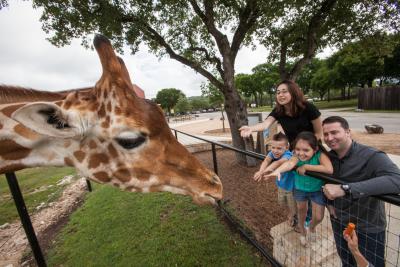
[206,199]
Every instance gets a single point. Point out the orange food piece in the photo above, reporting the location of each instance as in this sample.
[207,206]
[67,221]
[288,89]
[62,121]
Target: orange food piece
[349,229]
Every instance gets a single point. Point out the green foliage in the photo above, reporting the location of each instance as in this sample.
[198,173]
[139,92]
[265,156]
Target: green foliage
[306,27]
[322,81]
[198,102]
[30,181]
[168,97]
[361,62]
[215,97]
[115,228]
[392,64]
[183,105]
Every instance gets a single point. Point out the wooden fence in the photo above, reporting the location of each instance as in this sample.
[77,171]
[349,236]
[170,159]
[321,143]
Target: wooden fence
[380,98]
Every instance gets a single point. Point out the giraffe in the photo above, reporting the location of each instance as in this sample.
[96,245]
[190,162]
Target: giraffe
[106,132]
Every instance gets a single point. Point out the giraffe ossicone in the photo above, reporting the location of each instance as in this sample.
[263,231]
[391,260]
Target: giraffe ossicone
[106,132]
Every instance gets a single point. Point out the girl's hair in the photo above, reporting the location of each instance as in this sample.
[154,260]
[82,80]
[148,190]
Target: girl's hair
[298,102]
[309,137]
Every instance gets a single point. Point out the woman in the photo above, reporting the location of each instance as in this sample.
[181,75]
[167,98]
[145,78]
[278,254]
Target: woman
[292,111]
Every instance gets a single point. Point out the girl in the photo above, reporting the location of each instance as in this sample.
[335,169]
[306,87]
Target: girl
[307,157]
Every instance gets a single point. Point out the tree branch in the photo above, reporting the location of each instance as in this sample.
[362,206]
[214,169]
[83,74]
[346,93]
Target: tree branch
[155,36]
[313,27]
[209,22]
[247,18]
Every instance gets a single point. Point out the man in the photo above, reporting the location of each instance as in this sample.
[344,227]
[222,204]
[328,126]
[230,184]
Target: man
[365,172]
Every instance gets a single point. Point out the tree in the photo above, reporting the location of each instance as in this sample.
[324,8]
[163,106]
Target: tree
[322,81]
[206,35]
[183,105]
[267,76]
[247,85]
[168,98]
[309,26]
[198,102]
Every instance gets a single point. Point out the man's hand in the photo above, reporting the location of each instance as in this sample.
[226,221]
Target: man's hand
[333,191]
[245,131]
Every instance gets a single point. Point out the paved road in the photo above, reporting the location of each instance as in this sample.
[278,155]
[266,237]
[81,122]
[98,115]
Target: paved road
[357,120]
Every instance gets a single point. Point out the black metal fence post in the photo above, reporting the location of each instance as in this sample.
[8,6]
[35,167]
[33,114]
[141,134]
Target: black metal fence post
[25,219]
[89,185]
[214,153]
[176,135]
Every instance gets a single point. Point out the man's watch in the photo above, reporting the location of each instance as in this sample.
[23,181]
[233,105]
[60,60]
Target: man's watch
[346,188]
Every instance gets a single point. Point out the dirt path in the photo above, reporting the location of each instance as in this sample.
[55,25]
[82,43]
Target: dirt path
[46,222]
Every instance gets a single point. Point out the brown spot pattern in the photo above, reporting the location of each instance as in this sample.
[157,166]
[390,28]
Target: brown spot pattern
[113,151]
[102,111]
[9,110]
[109,106]
[1,126]
[97,159]
[10,150]
[141,174]
[12,168]
[68,162]
[102,176]
[118,111]
[106,123]
[123,175]
[79,155]
[25,132]
[92,144]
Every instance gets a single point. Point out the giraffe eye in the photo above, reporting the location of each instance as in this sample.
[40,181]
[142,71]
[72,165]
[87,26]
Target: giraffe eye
[130,143]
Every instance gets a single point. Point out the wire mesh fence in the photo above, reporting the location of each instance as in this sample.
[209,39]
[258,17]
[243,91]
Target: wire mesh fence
[257,207]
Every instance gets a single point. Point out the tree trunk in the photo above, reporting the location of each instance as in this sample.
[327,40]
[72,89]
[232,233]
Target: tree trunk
[271,100]
[343,93]
[329,94]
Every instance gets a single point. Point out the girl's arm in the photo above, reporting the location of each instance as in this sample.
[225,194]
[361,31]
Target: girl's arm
[287,166]
[325,166]
[317,125]
[245,131]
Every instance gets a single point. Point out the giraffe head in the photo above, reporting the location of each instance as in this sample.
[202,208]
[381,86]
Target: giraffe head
[111,136]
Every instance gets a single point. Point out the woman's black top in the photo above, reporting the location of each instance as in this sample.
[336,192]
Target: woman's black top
[294,125]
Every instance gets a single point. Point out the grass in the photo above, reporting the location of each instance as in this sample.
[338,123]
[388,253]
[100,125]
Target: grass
[352,103]
[115,228]
[30,180]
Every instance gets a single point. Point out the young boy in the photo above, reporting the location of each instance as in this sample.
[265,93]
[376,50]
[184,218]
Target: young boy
[276,157]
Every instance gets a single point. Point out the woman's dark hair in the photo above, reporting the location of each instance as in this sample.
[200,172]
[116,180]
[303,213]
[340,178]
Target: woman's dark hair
[309,137]
[298,102]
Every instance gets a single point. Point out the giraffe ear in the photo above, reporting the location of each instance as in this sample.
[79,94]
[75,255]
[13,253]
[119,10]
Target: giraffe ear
[46,118]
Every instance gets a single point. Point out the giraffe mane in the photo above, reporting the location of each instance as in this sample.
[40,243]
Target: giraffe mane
[16,94]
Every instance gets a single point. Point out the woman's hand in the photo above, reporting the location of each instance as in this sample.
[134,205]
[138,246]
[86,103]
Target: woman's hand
[245,131]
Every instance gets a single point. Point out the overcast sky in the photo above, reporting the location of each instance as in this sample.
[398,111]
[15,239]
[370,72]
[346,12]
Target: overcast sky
[28,59]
